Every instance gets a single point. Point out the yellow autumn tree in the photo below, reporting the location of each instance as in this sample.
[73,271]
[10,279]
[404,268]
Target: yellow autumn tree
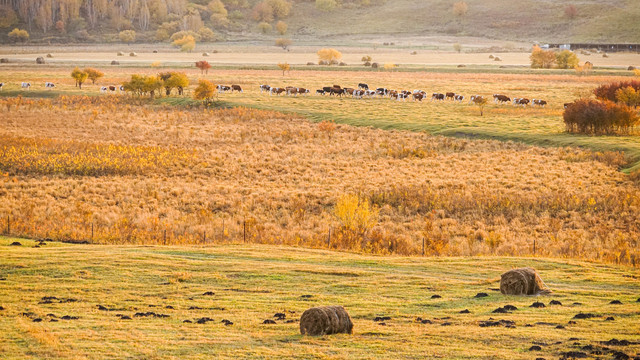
[329,55]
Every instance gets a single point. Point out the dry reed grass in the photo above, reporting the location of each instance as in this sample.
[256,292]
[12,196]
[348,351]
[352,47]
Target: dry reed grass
[266,177]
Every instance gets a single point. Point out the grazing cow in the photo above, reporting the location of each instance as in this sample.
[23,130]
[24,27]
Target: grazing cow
[499,98]
[236,88]
[521,101]
[393,94]
[403,96]
[418,96]
[370,93]
[327,89]
[26,85]
[566,105]
[276,91]
[538,102]
[292,90]
[458,98]
[265,88]
[320,91]
[112,88]
[303,91]
[349,91]
[49,85]
[363,86]
[337,86]
[1,85]
[450,95]
[437,96]
[382,91]
[337,91]
[103,89]
[223,88]
[121,88]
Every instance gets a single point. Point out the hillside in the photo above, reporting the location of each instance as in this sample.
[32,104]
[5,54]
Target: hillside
[99,302]
[380,21]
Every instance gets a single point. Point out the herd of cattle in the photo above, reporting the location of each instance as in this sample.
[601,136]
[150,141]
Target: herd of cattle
[362,91]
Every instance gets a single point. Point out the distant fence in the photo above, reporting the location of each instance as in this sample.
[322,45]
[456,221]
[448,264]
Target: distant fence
[601,47]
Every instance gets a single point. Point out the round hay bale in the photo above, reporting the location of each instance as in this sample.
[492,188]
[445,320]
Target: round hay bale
[133,54]
[115,62]
[414,53]
[215,51]
[462,65]
[374,65]
[523,281]
[310,63]
[155,51]
[497,58]
[49,55]
[342,63]
[120,53]
[491,56]
[631,68]
[325,320]
[605,55]
[39,60]
[205,54]
[4,61]
[367,63]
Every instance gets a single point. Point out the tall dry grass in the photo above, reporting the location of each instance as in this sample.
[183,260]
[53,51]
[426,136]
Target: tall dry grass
[249,175]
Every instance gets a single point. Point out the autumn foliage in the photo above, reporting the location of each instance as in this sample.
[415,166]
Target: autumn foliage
[608,91]
[588,116]
[204,66]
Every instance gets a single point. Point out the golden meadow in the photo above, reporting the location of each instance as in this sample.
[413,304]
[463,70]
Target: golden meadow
[115,170]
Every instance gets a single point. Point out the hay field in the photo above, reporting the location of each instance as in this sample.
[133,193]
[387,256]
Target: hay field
[298,55]
[247,284]
[192,176]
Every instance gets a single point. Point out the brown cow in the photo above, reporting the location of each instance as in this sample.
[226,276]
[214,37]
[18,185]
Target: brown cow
[450,95]
[236,88]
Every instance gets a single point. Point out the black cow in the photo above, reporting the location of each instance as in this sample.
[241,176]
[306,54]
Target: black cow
[437,96]
[363,86]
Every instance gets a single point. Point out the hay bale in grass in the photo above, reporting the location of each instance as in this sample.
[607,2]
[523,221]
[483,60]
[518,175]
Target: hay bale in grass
[120,53]
[115,62]
[49,55]
[523,281]
[205,54]
[39,60]
[325,320]
[4,61]
[133,54]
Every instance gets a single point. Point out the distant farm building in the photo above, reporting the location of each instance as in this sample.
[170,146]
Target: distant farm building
[601,47]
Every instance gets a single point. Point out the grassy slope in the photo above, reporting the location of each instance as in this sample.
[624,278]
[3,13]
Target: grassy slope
[252,282]
[530,20]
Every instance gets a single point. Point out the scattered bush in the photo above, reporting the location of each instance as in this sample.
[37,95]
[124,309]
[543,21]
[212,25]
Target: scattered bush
[542,59]
[329,55]
[460,8]
[204,66]
[281,27]
[265,27]
[608,91]
[93,74]
[284,67]
[587,116]
[186,43]
[457,48]
[326,5]
[204,91]
[283,43]
[79,76]
[566,59]
[17,35]
[127,36]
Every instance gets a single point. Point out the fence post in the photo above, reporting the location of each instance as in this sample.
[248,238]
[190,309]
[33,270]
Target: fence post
[423,241]
[91,231]
[204,237]
[244,231]
[329,240]
[222,234]
[8,224]
[534,247]
[164,238]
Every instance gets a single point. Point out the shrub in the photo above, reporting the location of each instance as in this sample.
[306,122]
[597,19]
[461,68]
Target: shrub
[93,74]
[180,34]
[356,215]
[186,43]
[326,5]
[460,8]
[204,91]
[284,67]
[608,91]
[281,27]
[127,36]
[542,59]
[566,59]
[457,47]
[265,27]
[283,43]
[174,80]
[571,11]
[79,76]
[204,66]
[206,34]
[17,35]
[587,116]
[628,96]
[329,55]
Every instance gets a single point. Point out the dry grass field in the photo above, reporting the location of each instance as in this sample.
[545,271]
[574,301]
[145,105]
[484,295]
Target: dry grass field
[129,302]
[199,176]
